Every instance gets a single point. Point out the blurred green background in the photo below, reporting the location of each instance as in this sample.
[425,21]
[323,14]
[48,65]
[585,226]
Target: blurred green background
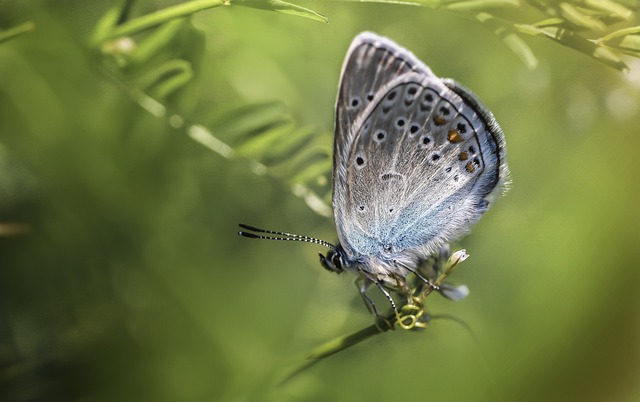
[121,274]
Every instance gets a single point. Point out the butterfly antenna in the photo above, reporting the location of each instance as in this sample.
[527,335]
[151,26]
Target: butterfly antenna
[281,236]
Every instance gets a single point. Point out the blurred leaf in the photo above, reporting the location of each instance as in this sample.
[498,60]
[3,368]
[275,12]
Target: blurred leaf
[504,30]
[573,14]
[476,5]
[572,40]
[281,7]
[18,30]
[153,19]
[625,41]
[521,49]
[629,44]
[156,41]
[166,78]
[110,20]
[267,137]
[610,7]
[575,21]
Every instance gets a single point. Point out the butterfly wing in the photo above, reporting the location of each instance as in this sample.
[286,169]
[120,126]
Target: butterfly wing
[416,158]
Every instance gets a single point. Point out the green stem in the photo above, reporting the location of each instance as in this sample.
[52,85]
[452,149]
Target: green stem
[344,342]
[162,16]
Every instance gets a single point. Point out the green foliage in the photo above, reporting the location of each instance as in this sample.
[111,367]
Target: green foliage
[134,136]
[307,166]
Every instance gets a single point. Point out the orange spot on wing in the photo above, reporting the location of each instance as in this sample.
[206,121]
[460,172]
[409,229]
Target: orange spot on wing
[470,168]
[454,137]
[439,120]
[463,156]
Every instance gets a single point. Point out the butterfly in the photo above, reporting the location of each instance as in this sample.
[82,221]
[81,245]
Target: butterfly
[417,160]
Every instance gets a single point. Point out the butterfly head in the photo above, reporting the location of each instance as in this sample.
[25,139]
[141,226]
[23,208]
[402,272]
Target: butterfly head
[334,260]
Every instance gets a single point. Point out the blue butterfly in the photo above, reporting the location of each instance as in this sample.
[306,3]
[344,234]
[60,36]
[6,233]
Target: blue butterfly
[417,160]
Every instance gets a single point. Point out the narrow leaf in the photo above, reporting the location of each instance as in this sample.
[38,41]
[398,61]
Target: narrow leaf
[610,7]
[572,40]
[477,5]
[155,42]
[631,42]
[281,7]
[620,33]
[16,31]
[574,15]
[521,49]
[162,16]
[338,344]
[503,30]
[109,20]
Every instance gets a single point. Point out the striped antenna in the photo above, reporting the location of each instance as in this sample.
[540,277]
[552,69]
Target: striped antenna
[281,236]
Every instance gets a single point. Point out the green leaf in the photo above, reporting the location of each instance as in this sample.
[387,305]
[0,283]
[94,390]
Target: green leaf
[160,74]
[521,49]
[162,16]
[620,33]
[505,31]
[109,21]
[341,343]
[630,44]
[571,40]
[281,7]
[158,40]
[575,15]
[477,5]
[611,8]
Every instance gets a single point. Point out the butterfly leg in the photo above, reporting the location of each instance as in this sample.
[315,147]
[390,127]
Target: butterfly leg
[368,279]
[363,285]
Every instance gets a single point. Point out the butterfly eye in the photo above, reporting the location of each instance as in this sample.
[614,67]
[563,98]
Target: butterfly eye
[337,262]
